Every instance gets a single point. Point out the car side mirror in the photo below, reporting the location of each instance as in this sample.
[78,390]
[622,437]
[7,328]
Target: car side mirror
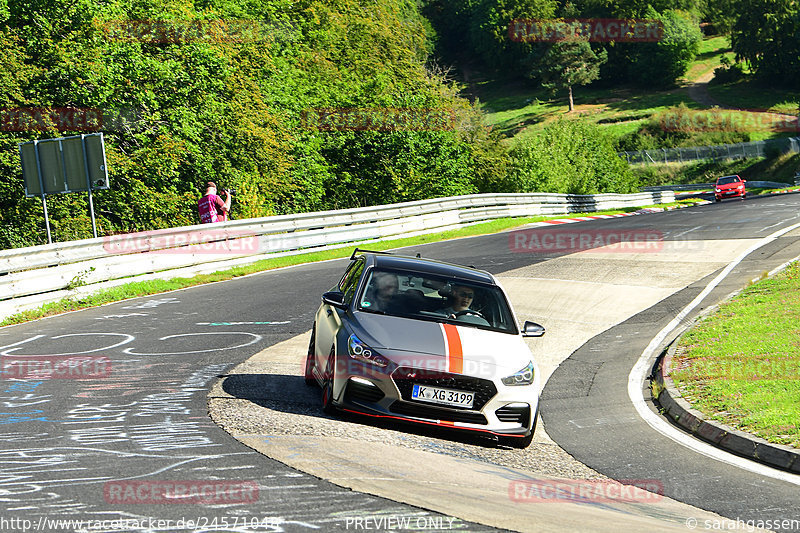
[334,298]
[532,329]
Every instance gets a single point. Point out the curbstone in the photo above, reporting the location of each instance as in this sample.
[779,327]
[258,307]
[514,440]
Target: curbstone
[727,438]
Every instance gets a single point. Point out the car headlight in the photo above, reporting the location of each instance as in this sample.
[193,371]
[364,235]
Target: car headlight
[717,190]
[523,377]
[361,352]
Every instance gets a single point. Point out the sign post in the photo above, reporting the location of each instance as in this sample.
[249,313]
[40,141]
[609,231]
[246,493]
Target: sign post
[64,164]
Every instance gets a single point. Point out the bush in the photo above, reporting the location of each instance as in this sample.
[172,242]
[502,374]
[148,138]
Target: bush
[656,64]
[728,72]
[680,126]
[570,157]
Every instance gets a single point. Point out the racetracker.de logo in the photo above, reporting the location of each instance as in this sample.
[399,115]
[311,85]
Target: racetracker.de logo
[748,368]
[586,490]
[598,30]
[565,240]
[728,120]
[200,241]
[378,119]
[180,492]
[46,118]
[55,367]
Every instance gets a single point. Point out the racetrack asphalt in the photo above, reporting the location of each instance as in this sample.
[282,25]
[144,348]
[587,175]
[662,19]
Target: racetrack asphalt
[579,297]
[63,441]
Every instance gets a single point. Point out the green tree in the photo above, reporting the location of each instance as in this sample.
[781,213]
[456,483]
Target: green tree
[568,63]
[721,14]
[478,29]
[634,8]
[661,63]
[766,35]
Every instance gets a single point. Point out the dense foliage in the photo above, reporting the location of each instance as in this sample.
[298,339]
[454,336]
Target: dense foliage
[224,101]
[680,126]
[226,98]
[766,35]
[570,157]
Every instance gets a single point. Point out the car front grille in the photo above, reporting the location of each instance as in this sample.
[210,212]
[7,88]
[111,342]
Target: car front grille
[436,413]
[356,391]
[520,414]
[405,378]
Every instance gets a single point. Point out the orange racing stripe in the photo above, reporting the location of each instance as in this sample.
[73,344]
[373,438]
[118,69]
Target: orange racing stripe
[455,355]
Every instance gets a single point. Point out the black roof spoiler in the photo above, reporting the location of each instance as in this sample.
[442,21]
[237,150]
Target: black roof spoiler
[357,250]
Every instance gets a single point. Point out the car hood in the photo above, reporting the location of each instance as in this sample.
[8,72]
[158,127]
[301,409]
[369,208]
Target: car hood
[729,185]
[445,347]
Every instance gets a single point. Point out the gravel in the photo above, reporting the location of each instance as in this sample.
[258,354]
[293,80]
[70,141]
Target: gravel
[264,398]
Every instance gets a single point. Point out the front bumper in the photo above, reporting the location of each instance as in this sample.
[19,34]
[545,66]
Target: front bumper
[497,409]
[729,193]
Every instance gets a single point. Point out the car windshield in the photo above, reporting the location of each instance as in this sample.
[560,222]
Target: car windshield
[439,299]
[727,179]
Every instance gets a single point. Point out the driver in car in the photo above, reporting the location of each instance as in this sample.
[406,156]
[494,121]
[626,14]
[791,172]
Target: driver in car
[460,299]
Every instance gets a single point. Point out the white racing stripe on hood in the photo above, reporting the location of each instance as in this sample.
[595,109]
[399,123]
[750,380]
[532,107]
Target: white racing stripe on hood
[487,353]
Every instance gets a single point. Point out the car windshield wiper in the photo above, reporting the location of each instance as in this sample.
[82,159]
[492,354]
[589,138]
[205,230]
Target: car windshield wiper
[374,311]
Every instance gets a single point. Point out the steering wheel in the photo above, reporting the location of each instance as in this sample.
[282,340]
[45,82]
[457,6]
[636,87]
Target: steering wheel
[469,312]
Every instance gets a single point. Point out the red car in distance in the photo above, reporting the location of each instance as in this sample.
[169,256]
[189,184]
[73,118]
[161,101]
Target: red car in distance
[729,187]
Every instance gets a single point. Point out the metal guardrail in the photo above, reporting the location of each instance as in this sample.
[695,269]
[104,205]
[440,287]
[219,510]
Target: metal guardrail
[702,186]
[721,151]
[35,275]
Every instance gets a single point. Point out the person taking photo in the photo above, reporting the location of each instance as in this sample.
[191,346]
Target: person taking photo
[211,207]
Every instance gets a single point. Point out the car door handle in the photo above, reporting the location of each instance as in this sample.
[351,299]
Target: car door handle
[329,312]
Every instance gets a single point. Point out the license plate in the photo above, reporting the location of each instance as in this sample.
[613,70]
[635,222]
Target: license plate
[441,396]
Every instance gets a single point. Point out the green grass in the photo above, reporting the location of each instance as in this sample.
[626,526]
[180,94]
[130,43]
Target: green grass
[712,49]
[519,109]
[144,288]
[741,365]
[748,94]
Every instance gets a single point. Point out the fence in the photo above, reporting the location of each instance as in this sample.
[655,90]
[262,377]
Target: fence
[32,276]
[721,151]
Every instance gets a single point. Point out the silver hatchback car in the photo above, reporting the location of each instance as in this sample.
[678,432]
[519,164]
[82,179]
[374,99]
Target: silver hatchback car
[428,342]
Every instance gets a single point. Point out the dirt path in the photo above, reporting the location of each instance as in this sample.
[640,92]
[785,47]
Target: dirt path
[698,91]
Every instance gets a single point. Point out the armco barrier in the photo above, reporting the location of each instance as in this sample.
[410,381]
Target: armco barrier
[700,186]
[39,274]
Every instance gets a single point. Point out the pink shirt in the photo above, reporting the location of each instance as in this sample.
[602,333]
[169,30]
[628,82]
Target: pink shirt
[210,209]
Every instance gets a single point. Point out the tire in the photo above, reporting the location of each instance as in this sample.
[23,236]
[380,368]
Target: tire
[327,385]
[718,199]
[308,373]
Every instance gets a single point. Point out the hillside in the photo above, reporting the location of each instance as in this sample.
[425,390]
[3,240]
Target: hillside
[316,105]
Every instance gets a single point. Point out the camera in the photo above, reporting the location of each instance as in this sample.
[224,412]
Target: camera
[232,191]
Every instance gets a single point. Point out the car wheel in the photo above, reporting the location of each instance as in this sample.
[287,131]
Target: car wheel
[309,369]
[327,385]
[718,199]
